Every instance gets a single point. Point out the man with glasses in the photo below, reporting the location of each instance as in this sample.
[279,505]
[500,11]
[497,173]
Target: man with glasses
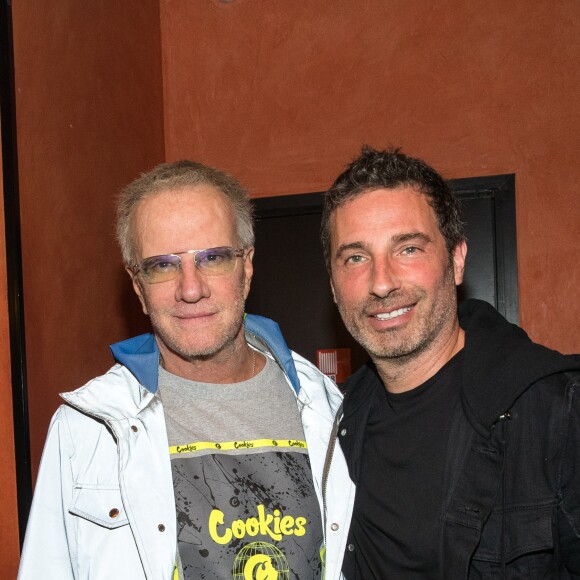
[200,454]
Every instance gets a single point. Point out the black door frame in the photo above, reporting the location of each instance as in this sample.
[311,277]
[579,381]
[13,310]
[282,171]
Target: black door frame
[499,189]
[14,269]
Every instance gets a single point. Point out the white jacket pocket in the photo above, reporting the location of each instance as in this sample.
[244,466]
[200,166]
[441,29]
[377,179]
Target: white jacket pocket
[99,504]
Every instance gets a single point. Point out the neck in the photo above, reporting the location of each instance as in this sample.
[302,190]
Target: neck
[406,373]
[235,364]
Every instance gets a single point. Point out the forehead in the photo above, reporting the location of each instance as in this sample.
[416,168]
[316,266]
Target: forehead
[383,212]
[178,220]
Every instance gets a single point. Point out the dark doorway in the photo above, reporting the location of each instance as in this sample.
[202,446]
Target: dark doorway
[290,282]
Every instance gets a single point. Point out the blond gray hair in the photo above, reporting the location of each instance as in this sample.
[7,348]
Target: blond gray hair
[176,176]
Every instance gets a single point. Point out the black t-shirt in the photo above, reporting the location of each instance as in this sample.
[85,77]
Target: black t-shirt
[396,522]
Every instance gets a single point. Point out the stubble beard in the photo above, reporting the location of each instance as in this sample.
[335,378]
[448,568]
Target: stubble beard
[173,339]
[403,343]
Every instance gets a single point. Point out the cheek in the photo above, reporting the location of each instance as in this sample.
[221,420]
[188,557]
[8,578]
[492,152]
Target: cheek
[349,288]
[158,297]
[228,292]
[429,274]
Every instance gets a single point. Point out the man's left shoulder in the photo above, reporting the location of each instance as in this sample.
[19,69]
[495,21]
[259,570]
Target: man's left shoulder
[560,380]
[555,388]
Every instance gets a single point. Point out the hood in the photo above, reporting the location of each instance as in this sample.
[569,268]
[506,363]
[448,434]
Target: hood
[141,355]
[501,362]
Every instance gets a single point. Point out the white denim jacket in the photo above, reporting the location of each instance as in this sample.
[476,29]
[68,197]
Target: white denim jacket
[104,506]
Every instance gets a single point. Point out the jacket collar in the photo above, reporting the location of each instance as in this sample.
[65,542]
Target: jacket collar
[141,355]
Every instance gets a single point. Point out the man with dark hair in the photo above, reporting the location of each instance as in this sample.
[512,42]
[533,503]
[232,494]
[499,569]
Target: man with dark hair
[461,435]
[200,454]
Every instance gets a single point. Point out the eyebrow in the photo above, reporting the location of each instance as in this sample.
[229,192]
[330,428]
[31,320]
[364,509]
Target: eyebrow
[345,247]
[401,238]
[396,239]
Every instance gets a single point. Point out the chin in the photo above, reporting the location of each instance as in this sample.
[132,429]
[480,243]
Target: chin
[198,350]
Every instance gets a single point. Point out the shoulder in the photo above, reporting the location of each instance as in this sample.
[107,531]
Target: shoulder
[75,433]
[92,395]
[555,387]
[548,401]
[115,376]
[113,395]
[573,378]
[563,388]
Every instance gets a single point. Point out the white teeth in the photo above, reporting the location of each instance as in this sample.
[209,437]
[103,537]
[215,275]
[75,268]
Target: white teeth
[393,314]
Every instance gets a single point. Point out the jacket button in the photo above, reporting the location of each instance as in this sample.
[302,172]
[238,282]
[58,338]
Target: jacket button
[114,513]
[334,527]
[134,428]
[343,432]
[351,547]
[161,527]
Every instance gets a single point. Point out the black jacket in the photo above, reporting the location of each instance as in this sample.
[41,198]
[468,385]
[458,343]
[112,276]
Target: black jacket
[512,470]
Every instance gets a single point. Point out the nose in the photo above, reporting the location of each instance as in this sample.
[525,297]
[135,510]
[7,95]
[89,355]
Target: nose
[191,284]
[384,278]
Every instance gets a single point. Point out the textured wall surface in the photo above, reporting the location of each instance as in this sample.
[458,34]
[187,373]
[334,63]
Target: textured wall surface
[89,119]
[282,94]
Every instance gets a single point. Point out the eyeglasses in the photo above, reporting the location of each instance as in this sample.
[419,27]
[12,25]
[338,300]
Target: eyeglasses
[211,262]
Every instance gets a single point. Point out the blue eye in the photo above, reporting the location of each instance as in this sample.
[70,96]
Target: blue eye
[214,258]
[160,265]
[354,260]
[410,250]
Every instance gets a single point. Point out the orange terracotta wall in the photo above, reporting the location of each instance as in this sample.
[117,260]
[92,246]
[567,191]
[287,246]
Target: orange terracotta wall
[282,95]
[89,119]
[9,548]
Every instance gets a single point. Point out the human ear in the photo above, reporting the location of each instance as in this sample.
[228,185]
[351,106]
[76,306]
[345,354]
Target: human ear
[332,290]
[248,270]
[459,255]
[138,289]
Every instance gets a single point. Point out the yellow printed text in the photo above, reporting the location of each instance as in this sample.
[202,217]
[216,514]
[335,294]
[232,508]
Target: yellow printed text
[273,525]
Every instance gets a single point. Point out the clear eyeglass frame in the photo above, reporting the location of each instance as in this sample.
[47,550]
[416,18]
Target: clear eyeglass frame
[210,262]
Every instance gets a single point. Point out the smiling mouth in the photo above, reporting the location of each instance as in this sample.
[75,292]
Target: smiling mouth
[393,314]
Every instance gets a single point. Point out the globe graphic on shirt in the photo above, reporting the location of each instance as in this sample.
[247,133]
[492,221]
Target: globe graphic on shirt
[260,561]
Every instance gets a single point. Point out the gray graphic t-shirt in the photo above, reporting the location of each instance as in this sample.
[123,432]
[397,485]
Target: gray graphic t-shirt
[245,501]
